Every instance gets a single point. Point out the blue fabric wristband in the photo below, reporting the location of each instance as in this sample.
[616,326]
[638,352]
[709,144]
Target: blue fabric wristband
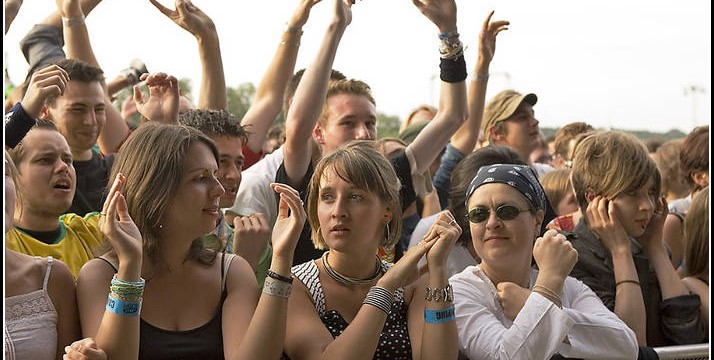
[123,308]
[440,316]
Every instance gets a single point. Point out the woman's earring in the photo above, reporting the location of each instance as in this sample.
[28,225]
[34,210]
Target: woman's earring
[386,239]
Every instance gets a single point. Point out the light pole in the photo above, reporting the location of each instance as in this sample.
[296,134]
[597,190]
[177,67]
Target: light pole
[692,91]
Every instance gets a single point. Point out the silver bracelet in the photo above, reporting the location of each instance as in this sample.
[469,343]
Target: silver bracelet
[444,294]
[380,298]
[69,22]
[277,288]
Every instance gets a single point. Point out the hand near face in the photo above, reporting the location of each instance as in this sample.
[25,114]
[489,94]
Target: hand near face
[444,232]
[162,104]
[116,224]
[513,298]
[291,219]
[85,349]
[45,83]
[603,221]
[652,236]
[554,255]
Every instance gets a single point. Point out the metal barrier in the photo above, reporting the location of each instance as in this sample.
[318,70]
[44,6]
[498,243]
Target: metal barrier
[683,352]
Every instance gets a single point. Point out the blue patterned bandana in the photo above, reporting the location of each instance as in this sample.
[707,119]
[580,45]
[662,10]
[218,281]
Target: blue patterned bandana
[520,177]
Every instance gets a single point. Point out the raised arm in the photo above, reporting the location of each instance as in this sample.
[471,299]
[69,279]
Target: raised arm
[115,326]
[452,101]
[76,38]
[265,336]
[465,138]
[629,303]
[268,100]
[162,104]
[435,336]
[310,97]
[12,7]
[213,82]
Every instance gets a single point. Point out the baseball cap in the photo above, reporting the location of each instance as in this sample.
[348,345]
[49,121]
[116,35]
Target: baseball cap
[502,106]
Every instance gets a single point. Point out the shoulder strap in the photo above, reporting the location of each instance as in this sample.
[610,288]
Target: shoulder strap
[114,266]
[47,272]
[225,265]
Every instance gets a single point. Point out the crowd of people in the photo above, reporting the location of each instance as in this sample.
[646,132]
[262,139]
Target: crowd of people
[161,229]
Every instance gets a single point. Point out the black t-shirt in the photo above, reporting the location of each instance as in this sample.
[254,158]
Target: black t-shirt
[305,250]
[92,179]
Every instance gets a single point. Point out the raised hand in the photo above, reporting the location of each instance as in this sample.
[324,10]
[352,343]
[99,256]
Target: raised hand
[406,270]
[162,104]
[441,12]
[301,14]
[45,83]
[116,224]
[251,237]
[487,37]
[444,232]
[188,16]
[554,255]
[69,8]
[289,224]
[605,225]
[343,12]
[84,349]
[512,297]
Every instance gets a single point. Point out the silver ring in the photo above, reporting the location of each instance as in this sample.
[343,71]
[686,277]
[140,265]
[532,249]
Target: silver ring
[453,222]
[102,214]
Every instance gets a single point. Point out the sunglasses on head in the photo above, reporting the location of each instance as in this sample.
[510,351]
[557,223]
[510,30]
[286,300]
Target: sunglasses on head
[480,214]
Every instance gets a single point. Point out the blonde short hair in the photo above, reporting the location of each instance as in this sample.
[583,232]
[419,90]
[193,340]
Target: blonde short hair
[359,163]
[610,163]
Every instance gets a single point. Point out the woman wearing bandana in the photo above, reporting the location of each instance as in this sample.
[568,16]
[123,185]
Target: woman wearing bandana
[505,309]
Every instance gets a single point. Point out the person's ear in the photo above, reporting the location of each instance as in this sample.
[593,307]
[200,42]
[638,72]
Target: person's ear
[388,215]
[318,133]
[701,178]
[45,113]
[589,195]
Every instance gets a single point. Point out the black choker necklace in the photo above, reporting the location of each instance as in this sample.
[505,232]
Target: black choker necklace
[346,280]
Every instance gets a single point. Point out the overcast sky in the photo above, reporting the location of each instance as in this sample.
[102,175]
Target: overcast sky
[622,64]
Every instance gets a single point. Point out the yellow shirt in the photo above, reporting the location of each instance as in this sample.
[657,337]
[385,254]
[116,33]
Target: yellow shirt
[74,246]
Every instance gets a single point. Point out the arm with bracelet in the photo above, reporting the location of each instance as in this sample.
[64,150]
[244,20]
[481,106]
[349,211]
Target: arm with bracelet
[432,325]
[110,304]
[268,100]
[266,332]
[76,38]
[452,98]
[212,94]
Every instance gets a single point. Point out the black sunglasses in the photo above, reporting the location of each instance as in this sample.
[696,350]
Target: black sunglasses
[480,214]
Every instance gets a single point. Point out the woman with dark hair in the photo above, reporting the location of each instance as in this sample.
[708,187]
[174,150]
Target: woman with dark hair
[158,293]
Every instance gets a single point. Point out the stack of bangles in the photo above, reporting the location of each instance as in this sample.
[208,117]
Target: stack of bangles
[453,65]
[548,294]
[277,285]
[125,296]
[440,295]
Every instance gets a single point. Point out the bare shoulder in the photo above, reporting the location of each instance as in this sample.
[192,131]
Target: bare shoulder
[95,270]
[240,275]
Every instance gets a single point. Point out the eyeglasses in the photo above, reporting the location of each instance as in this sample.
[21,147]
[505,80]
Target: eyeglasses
[504,212]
